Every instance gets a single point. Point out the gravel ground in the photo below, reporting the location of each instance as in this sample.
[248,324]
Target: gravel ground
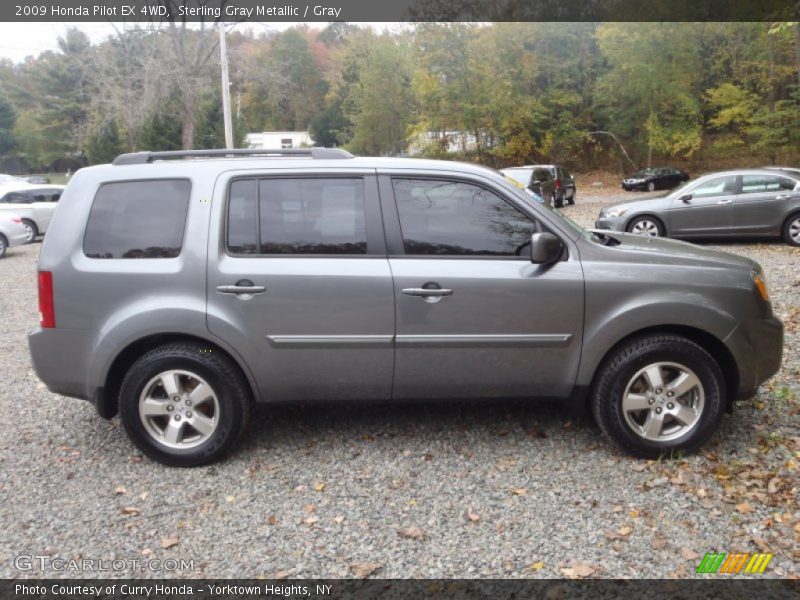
[468,490]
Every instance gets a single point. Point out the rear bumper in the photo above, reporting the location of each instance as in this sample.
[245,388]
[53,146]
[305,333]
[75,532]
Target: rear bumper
[757,347]
[60,358]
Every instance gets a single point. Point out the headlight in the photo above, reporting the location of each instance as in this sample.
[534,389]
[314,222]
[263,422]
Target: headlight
[616,211]
[761,285]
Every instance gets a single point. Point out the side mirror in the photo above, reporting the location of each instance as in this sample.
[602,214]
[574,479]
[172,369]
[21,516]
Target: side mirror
[545,248]
[686,198]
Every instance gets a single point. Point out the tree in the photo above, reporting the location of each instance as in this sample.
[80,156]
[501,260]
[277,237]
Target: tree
[104,144]
[7,119]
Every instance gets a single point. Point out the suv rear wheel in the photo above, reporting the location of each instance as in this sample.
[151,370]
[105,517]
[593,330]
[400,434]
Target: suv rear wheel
[658,394]
[30,231]
[184,404]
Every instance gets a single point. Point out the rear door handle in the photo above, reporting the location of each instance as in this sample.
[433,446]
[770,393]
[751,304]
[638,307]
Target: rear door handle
[427,293]
[782,197]
[241,287]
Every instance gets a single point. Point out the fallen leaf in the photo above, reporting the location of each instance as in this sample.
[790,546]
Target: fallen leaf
[119,490]
[744,508]
[472,516]
[578,570]
[230,498]
[519,491]
[131,510]
[271,520]
[411,533]
[143,496]
[319,487]
[311,520]
[537,566]
[658,542]
[339,519]
[625,531]
[169,542]
[797,527]
[618,508]
[309,508]
[365,569]
[281,575]
[689,554]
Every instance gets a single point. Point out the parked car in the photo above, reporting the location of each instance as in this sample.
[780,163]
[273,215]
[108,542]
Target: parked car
[742,203]
[12,232]
[34,203]
[563,183]
[536,178]
[655,178]
[791,170]
[178,289]
[10,179]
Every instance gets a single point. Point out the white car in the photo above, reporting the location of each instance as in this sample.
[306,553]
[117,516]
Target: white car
[12,232]
[35,204]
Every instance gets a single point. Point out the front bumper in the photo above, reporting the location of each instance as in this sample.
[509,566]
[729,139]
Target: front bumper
[610,223]
[757,347]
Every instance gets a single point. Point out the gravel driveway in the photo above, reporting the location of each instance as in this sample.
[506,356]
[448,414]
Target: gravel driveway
[467,490]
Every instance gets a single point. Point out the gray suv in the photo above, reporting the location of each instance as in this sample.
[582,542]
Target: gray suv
[178,289]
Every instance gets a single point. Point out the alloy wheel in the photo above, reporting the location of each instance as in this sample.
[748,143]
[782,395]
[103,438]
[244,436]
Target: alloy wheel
[179,409]
[794,230]
[663,402]
[29,233]
[645,227]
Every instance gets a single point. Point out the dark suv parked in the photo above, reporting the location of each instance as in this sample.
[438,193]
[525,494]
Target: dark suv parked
[179,289]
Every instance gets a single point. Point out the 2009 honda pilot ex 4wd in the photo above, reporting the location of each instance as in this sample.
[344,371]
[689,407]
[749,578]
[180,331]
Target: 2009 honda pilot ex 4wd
[179,289]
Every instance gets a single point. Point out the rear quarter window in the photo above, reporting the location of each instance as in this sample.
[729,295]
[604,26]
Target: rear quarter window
[138,219]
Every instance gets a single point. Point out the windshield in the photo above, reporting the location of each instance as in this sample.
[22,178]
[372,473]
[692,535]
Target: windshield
[521,176]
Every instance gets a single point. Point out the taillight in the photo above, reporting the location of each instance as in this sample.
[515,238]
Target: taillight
[558,184]
[47,309]
[16,220]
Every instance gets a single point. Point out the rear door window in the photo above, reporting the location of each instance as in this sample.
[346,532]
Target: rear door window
[313,215]
[755,184]
[138,219]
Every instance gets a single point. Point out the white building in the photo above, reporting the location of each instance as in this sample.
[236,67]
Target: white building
[273,140]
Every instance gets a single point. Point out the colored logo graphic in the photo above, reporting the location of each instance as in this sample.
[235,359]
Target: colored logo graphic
[733,563]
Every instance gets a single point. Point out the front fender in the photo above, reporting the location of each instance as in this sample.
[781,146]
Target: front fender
[606,328]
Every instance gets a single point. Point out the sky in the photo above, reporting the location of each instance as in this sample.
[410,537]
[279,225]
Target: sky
[19,40]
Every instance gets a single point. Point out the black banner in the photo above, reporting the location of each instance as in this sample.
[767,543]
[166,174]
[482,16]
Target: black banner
[730,588]
[397,10]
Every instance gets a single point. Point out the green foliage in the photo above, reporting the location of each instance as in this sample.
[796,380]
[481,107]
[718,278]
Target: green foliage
[7,119]
[584,94]
[104,144]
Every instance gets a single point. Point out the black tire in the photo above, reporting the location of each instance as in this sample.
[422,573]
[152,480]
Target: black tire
[790,226]
[232,392]
[656,221]
[3,245]
[572,198]
[558,200]
[651,187]
[33,229]
[618,369]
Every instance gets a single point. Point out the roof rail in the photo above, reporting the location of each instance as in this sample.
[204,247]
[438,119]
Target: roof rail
[141,158]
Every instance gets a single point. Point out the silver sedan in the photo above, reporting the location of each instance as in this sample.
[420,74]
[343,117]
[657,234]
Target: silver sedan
[741,203]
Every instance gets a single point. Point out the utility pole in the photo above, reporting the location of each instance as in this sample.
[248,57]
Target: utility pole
[226,96]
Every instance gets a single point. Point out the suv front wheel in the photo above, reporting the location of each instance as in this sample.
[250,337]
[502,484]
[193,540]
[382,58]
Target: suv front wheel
[658,394]
[184,404]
